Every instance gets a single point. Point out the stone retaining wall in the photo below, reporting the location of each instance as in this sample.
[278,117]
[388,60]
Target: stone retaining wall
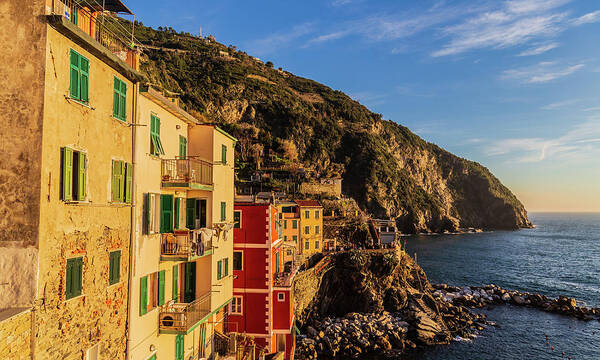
[15,337]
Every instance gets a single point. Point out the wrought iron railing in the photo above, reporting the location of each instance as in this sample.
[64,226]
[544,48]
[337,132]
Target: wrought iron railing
[185,243]
[188,170]
[182,316]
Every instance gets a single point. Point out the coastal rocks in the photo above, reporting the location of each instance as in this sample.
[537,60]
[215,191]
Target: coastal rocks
[478,297]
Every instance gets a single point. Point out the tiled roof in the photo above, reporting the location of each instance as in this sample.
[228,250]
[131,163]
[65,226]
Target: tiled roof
[308,203]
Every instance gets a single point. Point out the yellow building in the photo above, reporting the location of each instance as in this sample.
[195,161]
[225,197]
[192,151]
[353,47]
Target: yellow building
[289,221]
[69,93]
[182,280]
[311,227]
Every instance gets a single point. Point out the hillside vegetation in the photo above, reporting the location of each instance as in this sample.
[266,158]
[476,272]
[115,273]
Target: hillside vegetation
[390,171]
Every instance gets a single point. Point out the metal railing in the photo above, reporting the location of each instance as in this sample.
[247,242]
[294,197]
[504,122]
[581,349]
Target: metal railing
[284,278]
[188,170]
[91,17]
[182,316]
[184,243]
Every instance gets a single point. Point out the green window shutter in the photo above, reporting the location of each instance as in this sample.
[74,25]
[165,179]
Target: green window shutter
[143,295]
[116,102]
[237,221]
[84,70]
[224,154]
[285,224]
[153,357]
[121,181]
[69,279]
[223,211]
[153,146]
[160,148]
[190,213]
[123,102]
[128,182]
[161,288]
[226,266]
[294,224]
[295,238]
[147,214]
[67,174]
[182,147]
[175,283]
[74,273]
[219,269]
[176,216]
[74,88]
[277,262]
[81,191]
[166,213]
[179,347]
[115,267]
[115,181]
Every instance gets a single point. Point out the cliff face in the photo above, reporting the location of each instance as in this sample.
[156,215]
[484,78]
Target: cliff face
[390,171]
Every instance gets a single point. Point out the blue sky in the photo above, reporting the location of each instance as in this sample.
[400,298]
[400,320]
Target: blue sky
[512,84]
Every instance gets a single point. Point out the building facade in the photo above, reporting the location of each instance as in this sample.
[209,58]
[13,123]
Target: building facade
[262,306]
[311,227]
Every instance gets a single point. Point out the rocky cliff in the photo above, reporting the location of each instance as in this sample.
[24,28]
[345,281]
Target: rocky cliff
[390,171]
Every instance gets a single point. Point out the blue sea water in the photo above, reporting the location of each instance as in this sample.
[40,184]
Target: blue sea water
[561,256]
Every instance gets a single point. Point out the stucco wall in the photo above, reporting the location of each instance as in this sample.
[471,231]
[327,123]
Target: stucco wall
[23,43]
[91,229]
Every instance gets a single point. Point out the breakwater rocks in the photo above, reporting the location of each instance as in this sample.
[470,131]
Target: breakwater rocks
[482,296]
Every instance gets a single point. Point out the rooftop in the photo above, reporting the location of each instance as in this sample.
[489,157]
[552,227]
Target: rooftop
[308,203]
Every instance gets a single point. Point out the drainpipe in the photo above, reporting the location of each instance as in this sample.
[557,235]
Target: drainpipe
[132,220]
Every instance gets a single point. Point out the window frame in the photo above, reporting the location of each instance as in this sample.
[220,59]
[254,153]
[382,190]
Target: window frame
[223,211]
[239,218]
[241,260]
[121,182]
[156,148]
[81,74]
[114,260]
[119,99]
[237,303]
[307,230]
[73,176]
[294,224]
[69,268]
[281,298]
[223,154]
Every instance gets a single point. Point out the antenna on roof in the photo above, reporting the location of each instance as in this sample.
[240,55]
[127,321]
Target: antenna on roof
[200,32]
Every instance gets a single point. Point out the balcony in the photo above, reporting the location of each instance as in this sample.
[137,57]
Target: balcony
[183,317]
[185,245]
[284,279]
[98,20]
[187,174]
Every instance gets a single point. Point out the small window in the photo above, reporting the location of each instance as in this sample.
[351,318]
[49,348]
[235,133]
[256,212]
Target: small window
[182,147]
[237,219]
[151,218]
[280,296]
[224,154]
[236,305]
[307,214]
[284,237]
[74,277]
[306,245]
[152,291]
[294,224]
[237,260]
[289,252]
[120,100]
[122,182]
[156,147]
[317,229]
[285,224]
[79,78]
[317,214]
[223,211]
[114,267]
[73,175]
[225,267]
[307,230]
[295,238]
[219,269]
[317,245]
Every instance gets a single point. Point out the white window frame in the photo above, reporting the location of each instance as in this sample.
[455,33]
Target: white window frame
[237,302]
[281,296]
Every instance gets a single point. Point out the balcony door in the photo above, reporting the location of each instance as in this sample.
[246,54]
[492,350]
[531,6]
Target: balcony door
[196,213]
[189,293]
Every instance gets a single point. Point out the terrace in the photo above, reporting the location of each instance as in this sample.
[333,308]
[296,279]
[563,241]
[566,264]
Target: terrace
[183,317]
[189,173]
[185,245]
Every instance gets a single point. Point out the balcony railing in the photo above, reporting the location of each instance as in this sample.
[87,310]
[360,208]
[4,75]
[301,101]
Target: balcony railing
[284,279]
[185,244]
[99,23]
[181,317]
[186,171]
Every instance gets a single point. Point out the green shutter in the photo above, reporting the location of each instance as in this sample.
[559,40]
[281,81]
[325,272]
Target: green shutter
[224,154]
[128,182]
[74,86]
[115,181]
[147,214]
[219,269]
[176,216]
[161,288]
[123,102]
[160,148]
[84,70]
[237,221]
[223,211]
[69,279]
[67,174]
[277,262]
[179,347]
[226,266]
[285,224]
[73,277]
[166,213]
[116,88]
[81,191]
[294,224]
[190,215]
[175,283]
[182,147]
[143,295]
[114,267]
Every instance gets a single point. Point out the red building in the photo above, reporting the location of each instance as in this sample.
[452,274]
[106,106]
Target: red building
[262,306]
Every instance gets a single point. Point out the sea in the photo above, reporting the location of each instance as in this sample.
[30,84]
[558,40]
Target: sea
[560,256]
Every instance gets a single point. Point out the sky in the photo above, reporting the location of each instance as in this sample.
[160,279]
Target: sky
[511,84]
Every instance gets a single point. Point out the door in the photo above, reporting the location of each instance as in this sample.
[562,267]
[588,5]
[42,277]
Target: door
[202,212]
[189,294]
[179,347]
[166,213]
[190,213]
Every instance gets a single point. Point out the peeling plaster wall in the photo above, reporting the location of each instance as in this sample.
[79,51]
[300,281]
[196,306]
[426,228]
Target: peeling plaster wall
[23,41]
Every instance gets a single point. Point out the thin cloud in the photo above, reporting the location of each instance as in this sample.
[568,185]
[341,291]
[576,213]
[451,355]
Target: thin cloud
[280,40]
[541,73]
[587,18]
[539,50]
[560,104]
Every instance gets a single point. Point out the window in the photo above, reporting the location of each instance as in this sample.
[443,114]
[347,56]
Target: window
[179,215]
[73,175]
[317,229]
[236,305]
[316,214]
[166,213]
[307,214]
[114,267]
[151,214]
[280,296]
[295,238]
[80,77]
[122,182]
[307,229]
[317,245]
[120,100]
[284,237]
[306,245]
[225,267]
[152,291]
[223,211]
[277,262]
[74,276]
[175,283]
[294,224]
[182,147]
[224,154]
[237,219]
[285,224]
[237,260]
[156,148]
[219,269]
[289,252]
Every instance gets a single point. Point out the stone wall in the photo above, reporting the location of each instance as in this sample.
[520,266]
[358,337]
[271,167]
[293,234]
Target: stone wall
[23,43]
[315,188]
[15,336]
